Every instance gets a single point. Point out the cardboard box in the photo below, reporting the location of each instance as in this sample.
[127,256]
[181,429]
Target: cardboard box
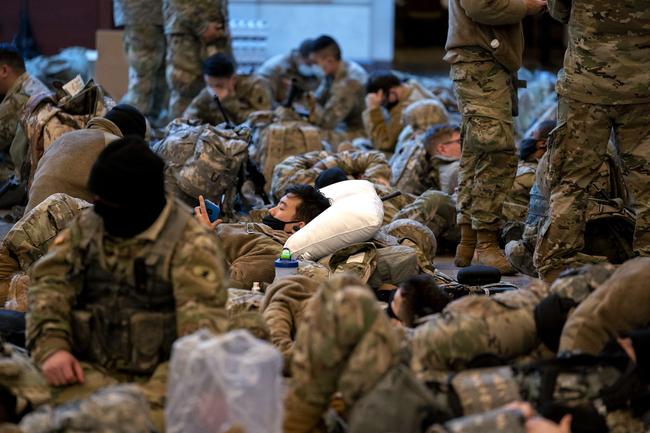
[112,70]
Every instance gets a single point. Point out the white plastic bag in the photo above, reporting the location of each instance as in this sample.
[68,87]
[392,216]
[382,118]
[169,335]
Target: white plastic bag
[220,382]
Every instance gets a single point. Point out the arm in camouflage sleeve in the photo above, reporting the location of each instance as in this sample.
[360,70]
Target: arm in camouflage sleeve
[51,297]
[199,282]
[339,324]
[383,134]
[343,98]
[495,12]
[560,10]
[621,304]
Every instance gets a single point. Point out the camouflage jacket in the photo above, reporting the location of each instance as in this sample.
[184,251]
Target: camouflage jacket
[138,12]
[384,130]
[192,16]
[283,309]
[250,251]
[346,344]
[481,30]
[195,273]
[340,99]
[608,51]
[251,94]
[617,306]
[280,70]
[12,105]
[502,325]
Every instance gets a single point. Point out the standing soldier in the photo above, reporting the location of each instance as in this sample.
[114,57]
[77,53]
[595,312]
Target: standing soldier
[144,47]
[195,29]
[604,86]
[485,47]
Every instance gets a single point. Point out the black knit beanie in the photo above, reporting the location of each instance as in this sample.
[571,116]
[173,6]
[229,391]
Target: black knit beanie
[128,180]
[128,119]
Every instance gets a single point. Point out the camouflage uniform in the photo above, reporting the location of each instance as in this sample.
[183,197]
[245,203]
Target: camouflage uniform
[436,210]
[502,324]
[251,94]
[29,239]
[144,48]
[339,101]
[283,309]
[619,305]
[78,302]
[280,70]
[384,128]
[515,207]
[603,87]
[12,137]
[185,22]
[346,344]
[250,250]
[485,46]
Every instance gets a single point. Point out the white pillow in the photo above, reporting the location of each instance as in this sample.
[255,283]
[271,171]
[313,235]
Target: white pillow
[356,214]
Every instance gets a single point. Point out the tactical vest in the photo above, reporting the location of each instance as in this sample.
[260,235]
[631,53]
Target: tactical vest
[127,321]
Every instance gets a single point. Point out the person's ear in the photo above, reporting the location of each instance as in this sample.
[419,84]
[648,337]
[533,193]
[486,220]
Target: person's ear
[298,226]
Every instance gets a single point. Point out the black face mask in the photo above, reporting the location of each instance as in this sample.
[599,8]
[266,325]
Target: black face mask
[127,221]
[389,105]
[275,223]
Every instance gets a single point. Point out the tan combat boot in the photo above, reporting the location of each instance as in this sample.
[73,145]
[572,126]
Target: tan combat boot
[465,249]
[488,253]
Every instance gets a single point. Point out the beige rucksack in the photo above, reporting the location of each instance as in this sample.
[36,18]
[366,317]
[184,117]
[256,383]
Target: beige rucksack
[284,135]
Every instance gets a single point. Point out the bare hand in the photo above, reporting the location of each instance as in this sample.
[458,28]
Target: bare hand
[213,32]
[201,215]
[373,100]
[62,368]
[533,7]
[542,425]
[628,347]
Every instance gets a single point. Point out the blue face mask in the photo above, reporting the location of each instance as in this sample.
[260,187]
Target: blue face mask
[275,223]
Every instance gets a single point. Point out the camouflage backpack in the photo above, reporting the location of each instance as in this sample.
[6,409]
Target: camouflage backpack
[206,160]
[283,136]
[46,117]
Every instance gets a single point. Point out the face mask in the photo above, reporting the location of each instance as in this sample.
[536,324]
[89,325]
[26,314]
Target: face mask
[310,71]
[275,223]
[389,105]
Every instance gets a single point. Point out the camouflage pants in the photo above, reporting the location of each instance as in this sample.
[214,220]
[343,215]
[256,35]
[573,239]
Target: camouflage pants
[185,54]
[576,151]
[144,47]
[95,377]
[488,163]
[434,209]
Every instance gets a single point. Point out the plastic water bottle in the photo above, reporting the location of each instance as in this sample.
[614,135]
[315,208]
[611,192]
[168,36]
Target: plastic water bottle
[285,265]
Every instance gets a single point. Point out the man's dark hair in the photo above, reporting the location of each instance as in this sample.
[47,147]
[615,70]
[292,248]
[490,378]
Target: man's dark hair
[330,176]
[306,48]
[9,55]
[219,65]
[545,128]
[382,80]
[436,133]
[327,45]
[421,297]
[312,201]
